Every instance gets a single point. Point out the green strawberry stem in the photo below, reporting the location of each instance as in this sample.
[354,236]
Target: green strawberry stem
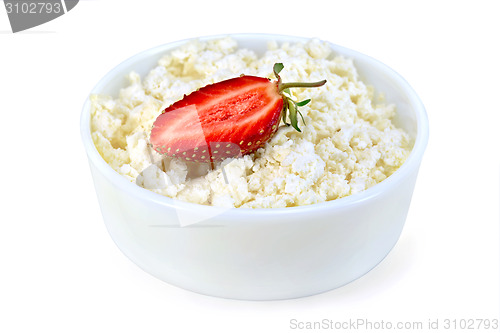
[283,86]
[291,107]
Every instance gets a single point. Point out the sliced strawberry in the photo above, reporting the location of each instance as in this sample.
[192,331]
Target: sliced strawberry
[225,119]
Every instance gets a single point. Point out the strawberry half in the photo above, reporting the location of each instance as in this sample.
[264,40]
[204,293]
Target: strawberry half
[226,119]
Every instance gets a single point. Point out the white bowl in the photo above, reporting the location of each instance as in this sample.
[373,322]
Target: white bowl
[260,254]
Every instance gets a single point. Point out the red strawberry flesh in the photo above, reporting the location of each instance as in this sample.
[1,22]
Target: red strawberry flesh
[218,121]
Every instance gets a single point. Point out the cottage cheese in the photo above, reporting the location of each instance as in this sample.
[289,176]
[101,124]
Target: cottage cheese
[347,145]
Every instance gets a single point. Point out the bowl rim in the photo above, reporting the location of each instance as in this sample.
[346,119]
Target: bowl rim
[348,202]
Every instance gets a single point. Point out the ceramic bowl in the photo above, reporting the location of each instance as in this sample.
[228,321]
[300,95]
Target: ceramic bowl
[260,254]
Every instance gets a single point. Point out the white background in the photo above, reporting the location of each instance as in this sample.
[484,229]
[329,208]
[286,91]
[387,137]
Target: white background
[60,270]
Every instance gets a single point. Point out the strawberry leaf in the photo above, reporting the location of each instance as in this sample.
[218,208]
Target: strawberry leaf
[285,109]
[277,68]
[293,114]
[304,102]
[301,116]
